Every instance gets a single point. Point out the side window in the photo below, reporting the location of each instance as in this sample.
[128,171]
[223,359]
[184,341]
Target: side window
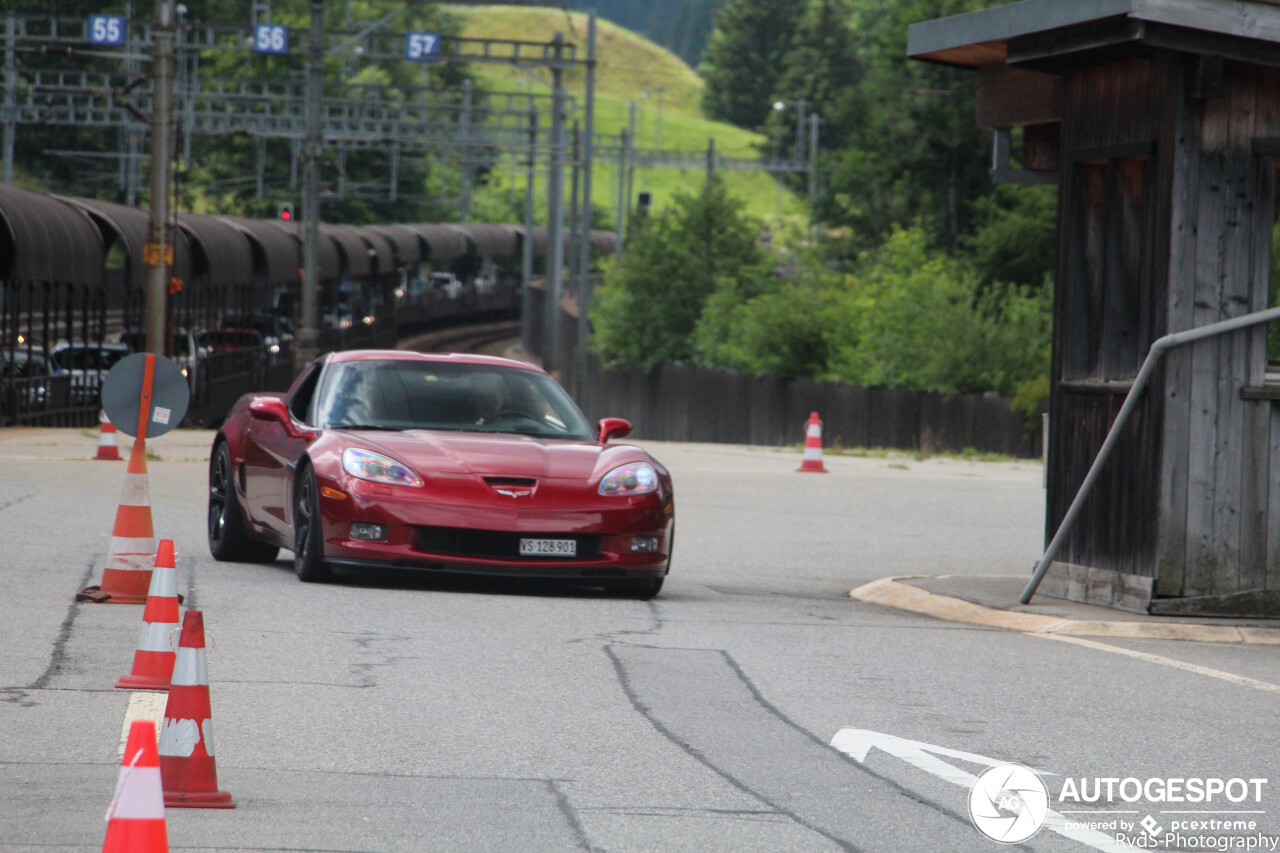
[300,400]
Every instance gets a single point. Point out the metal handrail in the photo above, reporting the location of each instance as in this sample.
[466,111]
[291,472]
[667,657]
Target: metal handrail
[1158,349]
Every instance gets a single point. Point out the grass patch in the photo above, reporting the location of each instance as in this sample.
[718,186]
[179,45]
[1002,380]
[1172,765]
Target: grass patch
[629,68]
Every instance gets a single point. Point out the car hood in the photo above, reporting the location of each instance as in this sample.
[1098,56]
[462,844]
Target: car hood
[497,455]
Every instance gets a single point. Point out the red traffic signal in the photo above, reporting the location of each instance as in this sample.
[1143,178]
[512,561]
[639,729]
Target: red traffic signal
[286,213]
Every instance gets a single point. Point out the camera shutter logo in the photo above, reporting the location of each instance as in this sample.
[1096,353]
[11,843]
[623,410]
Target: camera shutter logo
[1008,803]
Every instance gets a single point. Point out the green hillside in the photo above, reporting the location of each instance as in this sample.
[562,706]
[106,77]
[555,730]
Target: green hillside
[630,68]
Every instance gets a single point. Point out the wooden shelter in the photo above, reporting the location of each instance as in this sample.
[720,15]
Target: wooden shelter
[1159,120]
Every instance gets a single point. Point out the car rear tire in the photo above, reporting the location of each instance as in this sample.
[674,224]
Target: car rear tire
[308,530]
[228,541]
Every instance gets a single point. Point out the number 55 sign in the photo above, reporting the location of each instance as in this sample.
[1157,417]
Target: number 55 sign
[106,29]
[422,47]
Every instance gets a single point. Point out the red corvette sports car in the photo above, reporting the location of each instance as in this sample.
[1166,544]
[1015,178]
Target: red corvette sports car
[437,463]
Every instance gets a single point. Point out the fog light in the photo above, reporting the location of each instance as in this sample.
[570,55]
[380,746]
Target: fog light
[363,530]
[644,544]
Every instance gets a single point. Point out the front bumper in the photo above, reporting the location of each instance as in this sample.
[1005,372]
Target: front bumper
[605,528]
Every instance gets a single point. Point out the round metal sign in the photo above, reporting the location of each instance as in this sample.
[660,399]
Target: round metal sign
[123,388]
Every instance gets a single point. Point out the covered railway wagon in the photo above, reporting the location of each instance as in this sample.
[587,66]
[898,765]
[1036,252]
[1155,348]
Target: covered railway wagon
[72,272]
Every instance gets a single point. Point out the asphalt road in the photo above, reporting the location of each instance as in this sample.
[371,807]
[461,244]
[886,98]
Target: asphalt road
[397,713]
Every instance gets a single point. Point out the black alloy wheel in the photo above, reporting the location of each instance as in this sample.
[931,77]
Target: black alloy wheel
[228,541]
[308,531]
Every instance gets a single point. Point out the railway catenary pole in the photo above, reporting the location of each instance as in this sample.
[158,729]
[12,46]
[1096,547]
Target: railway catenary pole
[10,92]
[623,141]
[158,253]
[584,244]
[555,208]
[526,260]
[309,331]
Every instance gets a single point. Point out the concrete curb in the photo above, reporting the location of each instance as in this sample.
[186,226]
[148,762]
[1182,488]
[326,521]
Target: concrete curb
[892,592]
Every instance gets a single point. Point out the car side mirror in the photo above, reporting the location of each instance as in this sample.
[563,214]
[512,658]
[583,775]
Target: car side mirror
[613,428]
[272,409]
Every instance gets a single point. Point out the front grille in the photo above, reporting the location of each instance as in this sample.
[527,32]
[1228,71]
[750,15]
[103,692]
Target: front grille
[497,544]
[511,481]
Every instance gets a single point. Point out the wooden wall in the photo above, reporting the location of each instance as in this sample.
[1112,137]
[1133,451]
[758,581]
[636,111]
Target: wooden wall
[1166,213]
[1214,536]
[1112,273]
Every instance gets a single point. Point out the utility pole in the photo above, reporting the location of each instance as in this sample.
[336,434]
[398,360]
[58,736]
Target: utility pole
[464,155]
[10,92]
[555,208]
[158,252]
[309,333]
[584,245]
[813,170]
[624,140]
[526,260]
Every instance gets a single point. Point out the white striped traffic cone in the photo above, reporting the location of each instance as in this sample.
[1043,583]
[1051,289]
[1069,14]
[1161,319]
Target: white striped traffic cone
[153,661]
[135,819]
[127,576]
[187,762]
[108,446]
[812,461]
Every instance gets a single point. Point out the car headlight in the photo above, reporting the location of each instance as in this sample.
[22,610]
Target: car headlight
[368,465]
[635,478]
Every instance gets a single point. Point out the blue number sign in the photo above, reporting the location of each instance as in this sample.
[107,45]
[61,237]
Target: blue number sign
[106,29]
[422,47]
[270,38]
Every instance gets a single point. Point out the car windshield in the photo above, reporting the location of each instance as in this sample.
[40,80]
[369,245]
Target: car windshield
[394,394]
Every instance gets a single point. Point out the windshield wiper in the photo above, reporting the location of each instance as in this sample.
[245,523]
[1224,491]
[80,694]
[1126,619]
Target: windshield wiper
[380,427]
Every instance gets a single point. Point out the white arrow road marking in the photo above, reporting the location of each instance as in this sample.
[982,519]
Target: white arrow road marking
[857,743]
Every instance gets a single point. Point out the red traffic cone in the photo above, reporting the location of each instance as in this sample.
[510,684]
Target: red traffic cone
[127,575]
[135,819]
[812,461]
[108,447]
[187,763]
[153,661]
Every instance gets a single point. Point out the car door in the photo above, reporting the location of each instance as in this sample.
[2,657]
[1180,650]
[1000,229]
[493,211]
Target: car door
[271,455]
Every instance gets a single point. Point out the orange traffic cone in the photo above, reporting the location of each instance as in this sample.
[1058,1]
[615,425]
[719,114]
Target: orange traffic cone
[187,763]
[127,575]
[135,819]
[812,461]
[153,661]
[108,447]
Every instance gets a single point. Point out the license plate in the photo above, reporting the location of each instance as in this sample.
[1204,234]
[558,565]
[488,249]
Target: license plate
[548,547]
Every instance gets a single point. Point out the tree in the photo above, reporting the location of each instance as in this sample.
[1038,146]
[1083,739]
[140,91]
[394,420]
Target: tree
[820,67]
[651,301]
[913,153]
[744,58]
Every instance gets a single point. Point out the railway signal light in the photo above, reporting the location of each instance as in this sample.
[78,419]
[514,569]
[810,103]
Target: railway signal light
[286,213]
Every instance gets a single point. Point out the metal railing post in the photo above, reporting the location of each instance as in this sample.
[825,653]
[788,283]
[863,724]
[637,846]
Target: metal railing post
[1158,349]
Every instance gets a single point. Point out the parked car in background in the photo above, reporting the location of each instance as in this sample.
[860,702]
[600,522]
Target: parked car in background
[446,283]
[29,376]
[221,341]
[276,331]
[186,350]
[88,364]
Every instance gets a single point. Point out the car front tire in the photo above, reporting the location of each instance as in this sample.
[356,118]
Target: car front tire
[228,541]
[308,530]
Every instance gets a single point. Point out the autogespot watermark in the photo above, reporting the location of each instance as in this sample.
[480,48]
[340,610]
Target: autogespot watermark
[1010,803]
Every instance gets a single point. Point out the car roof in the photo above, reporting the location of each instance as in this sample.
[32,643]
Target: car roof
[427,357]
[90,345]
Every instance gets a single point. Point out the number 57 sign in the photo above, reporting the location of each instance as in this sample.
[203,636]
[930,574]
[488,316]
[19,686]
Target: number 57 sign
[422,47]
